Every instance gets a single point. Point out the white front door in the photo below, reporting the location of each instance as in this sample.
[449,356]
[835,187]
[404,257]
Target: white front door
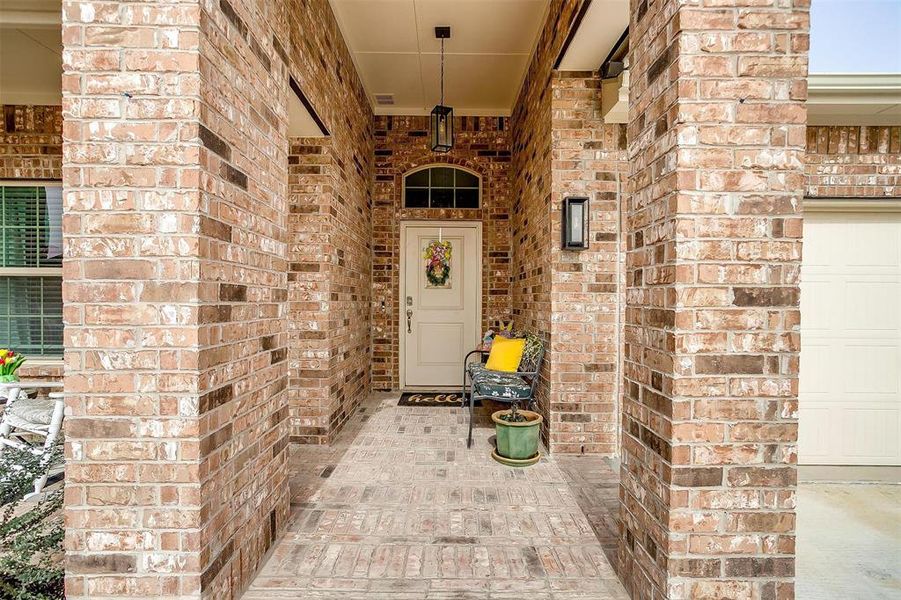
[439,301]
[850,389]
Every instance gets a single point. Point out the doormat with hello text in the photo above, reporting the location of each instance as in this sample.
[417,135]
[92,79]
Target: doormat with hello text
[431,399]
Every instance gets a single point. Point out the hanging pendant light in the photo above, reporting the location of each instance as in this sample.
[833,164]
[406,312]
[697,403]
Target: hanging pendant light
[442,116]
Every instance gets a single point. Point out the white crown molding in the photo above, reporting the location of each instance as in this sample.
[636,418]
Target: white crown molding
[853,98]
[888,204]
[30,18]
[863,87]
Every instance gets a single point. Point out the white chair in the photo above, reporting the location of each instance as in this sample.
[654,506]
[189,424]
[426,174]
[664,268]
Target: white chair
[33,424]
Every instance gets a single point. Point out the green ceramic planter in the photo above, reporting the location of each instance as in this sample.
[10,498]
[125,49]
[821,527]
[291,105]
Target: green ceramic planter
[517,442]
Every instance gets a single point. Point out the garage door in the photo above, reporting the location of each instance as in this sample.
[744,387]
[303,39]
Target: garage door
[850,388]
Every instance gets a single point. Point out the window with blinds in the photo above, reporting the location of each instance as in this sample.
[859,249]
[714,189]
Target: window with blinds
[31,304]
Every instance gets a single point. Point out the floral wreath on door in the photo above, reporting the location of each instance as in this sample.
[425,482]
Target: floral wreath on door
[437,268]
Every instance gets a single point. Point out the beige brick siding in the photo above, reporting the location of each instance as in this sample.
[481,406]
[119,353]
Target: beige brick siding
[481,144]
[716,143]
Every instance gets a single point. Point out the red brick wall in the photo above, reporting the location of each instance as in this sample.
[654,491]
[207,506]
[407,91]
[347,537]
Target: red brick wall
[133,296]
[243,288]
[563,148]
[588,159]
[176,281]
[848,161]
[328,291]
[324,70]
[481,144]
[310,194]
[179,248]
[716,148]
[31,142]
[532,188]
[841,160]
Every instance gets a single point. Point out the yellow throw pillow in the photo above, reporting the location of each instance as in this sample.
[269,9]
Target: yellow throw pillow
[505,354]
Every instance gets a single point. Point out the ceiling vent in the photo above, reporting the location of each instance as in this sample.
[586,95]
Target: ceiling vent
[384,99]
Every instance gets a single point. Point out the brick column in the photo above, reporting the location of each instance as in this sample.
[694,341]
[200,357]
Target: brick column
[131,291]
[175,283]
[716,144]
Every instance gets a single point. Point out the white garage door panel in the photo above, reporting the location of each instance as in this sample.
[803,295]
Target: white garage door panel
[874,365]
[814,432]
[815,367]
[873,304]
[870,433]
[850,388]
[881,245]
[817,316]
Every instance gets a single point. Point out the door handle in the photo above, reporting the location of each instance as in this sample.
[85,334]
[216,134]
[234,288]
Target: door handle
[409,320]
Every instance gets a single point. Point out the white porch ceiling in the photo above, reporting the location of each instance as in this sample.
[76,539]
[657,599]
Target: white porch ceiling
[31,53]
[601,27]
[394,47]
[396,52]
[31,65]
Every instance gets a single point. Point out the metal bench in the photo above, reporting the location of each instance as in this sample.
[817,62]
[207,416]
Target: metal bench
[500,386]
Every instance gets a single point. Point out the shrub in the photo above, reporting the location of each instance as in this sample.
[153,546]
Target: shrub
[31,533]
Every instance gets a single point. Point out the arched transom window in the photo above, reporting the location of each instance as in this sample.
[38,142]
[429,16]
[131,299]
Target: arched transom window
[442,187]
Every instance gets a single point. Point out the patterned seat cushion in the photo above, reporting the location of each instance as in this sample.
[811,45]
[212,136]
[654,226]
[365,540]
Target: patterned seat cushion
[33,410]
[474,368]
[496,384]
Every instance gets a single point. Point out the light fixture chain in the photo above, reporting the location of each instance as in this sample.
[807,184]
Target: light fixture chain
[442,71]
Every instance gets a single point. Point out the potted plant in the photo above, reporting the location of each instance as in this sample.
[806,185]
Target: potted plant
[9,364]
[517,434]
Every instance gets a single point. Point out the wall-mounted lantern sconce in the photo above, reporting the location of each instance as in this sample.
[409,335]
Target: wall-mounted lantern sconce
[575,223]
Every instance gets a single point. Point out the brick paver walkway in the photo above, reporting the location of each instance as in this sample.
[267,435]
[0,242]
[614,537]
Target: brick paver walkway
[399,508]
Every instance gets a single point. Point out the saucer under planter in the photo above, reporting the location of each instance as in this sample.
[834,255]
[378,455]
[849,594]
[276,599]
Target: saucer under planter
[514,462]
[517,443]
